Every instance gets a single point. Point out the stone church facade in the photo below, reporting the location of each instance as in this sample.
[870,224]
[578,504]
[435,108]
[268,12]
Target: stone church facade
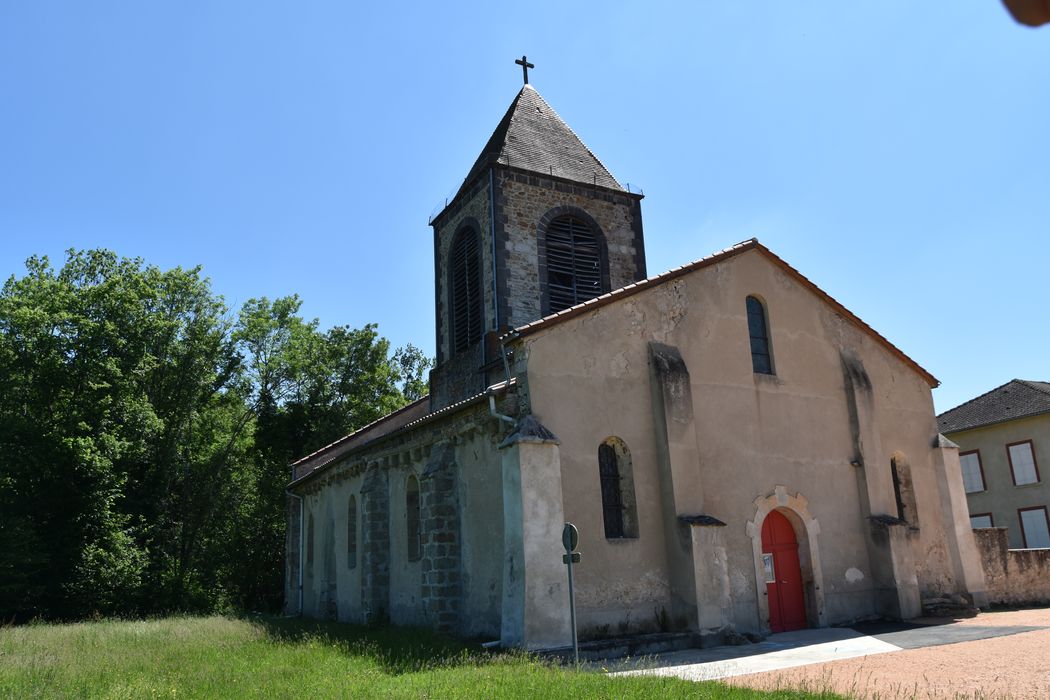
[739,452]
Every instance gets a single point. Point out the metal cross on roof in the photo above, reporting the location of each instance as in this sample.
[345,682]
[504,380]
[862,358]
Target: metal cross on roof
[525,65]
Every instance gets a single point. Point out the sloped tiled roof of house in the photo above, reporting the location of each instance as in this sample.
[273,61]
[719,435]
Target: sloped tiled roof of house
[1018,398]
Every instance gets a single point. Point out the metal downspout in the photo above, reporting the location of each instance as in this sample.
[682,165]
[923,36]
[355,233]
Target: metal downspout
[492,230]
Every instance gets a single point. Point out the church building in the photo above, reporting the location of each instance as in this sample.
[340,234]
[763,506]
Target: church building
[740,453]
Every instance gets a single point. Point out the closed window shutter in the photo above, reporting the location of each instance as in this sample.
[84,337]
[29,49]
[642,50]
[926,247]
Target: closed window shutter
[612,500]
[466,290]
[574,270]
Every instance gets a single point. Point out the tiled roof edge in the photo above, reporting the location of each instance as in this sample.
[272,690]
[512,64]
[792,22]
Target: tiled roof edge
[725,254]
[573,132]
[447,410]
[360,430]
[993,422]
[976,398]
[1031,384]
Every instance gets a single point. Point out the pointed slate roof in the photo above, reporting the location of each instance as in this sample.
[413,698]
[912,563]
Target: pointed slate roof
[532,136]
[1018,398]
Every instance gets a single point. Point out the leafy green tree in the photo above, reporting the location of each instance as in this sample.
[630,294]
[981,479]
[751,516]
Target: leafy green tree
[145,435]
[101,364]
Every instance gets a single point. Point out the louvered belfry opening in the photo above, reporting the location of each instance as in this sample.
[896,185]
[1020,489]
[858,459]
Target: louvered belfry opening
[465,273]
[574,263]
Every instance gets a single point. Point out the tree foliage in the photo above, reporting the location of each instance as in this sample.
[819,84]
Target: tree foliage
[145,433]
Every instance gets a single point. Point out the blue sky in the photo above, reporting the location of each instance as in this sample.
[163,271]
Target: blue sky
[895,152]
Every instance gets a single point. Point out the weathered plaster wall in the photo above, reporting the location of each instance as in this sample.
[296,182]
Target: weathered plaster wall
[1014,576]
[330,588]
[385,583]
[481,515]
[405,576]
[588,379]
[1001,498]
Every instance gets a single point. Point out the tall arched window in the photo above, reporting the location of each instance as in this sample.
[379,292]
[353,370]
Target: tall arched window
[758,329]
[574,263]
[465,302]
[414,545]
[616,473]
[351,533]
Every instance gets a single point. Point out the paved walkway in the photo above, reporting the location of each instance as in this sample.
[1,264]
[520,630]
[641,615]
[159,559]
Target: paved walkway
[805,647]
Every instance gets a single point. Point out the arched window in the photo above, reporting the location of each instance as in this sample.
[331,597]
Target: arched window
[310,541]
[617,484]
[465,304]
[574,263]
[758,329]
[351,533]
[414,546]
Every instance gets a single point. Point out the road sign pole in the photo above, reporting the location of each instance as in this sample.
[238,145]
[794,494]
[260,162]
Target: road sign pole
[572,617]
[570,538]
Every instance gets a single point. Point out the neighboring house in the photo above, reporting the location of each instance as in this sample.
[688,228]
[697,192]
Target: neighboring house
[1003,437]
[739,451]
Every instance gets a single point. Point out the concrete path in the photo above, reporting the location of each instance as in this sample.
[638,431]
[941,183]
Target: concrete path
[814,646]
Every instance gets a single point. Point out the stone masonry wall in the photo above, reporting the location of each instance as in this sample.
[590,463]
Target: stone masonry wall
[471,209]
[458,586]
[521,202]
[442,564]
[458,378]
[375,549]
[1013,576]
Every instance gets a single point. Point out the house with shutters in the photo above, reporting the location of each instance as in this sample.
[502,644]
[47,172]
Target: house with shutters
[1003,437]
[740,453]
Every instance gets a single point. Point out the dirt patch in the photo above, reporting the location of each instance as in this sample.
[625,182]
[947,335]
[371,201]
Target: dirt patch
[1015,666]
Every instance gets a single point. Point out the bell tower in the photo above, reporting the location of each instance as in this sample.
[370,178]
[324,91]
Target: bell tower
[538,225]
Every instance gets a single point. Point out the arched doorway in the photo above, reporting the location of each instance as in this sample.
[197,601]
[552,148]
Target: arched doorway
[787,607]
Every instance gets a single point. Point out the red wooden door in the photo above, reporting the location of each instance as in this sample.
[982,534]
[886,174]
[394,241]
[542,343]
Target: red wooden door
[787,609]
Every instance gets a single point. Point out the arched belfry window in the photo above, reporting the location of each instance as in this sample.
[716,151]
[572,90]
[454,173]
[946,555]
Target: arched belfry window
[465,303]
[574,263]
[758,329]
[414,545]
[616,473]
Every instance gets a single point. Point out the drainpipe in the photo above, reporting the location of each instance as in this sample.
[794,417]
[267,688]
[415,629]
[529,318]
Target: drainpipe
[301,541]
[503,353]
[492,230]
[491,391]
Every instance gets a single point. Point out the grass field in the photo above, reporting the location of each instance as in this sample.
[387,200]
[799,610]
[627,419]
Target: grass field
[219,657]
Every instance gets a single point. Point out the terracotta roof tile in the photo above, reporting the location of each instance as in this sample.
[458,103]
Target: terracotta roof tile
[725,254]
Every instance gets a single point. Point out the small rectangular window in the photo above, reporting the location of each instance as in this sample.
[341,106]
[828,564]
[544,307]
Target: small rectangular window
[1035,529]
[981,520]
[972,474]
[767,566]
[1022,463]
